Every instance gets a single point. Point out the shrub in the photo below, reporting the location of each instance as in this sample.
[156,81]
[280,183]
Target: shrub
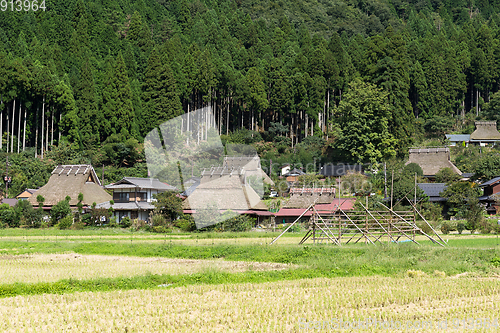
[162,229]
[186,223]
[65,222]
[158,220]
[445,227]
[139,224]
[239,223]
[460,227]
[125,222]
[60,210]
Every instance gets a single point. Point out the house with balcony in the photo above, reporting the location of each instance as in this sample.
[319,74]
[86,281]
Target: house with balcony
[134,197]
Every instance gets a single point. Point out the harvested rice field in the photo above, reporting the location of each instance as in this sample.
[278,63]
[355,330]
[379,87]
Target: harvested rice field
[427,304]
[37,268]
[240,285]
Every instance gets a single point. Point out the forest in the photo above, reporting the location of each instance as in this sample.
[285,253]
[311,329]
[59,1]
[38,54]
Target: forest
[349,81]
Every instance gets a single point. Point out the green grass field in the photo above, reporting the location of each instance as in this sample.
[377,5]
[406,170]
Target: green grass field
[112,265]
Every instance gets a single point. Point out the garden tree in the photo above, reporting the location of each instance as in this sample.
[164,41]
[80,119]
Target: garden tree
[462,199]
[79,207]
[411,169]
[40,199]
[363,119]
[26,215]
[446,175]
[60,210]
[168,204]
[8,217]
[486,167]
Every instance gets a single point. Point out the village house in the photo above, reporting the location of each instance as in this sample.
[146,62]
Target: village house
[71,180]
[301,199]
[26,194]
[431,160]
[485,134]
[134,197]
[226,189]
[491,195]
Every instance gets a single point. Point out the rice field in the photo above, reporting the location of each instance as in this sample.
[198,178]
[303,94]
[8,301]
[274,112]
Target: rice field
[352,288]
[38,268]
[420,304]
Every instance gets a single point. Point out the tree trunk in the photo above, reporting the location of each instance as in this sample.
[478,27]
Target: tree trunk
[19,128]
[59,126]
[12,127]
[227,120]
[187,127]
[8,122]
[24,130]
[36,130]
[52,127]
[306,126]
[47,134]
[12,130]
[43,122]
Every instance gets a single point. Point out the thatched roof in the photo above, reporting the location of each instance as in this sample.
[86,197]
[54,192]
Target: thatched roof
[250,165]
[485,131]
[304,197]
[70,180]
[223,192]
[431,160]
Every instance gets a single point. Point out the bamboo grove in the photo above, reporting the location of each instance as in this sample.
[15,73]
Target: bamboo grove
[87,72]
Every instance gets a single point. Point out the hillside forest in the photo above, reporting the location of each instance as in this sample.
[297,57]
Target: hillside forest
[303,81]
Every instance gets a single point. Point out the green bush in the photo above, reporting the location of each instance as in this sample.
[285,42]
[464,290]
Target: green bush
[460,227]
[158,220]
[125,222]
[161,229]
[65,222]
[186,223]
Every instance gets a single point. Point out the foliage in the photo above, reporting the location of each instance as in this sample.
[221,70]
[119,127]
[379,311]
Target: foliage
[60,210]
[168,204]
[186,223]
[462,199]
[65,222]
[446,175]
[364,121]
[487,167]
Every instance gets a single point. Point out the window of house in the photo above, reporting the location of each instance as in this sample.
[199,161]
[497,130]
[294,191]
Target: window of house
[121,196]
[142,196]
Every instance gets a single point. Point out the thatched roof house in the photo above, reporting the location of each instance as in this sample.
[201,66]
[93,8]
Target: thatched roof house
[27,193]
[486,132]
[70,180]
[224,189]
[250,165]
[431,160]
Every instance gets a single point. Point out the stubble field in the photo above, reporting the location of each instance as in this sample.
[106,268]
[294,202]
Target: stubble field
[75,285]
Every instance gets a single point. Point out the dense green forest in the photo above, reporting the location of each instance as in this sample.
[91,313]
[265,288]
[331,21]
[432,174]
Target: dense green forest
[85,81]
